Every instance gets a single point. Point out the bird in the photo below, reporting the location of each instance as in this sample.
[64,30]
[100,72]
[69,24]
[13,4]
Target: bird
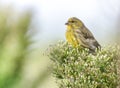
[77,34]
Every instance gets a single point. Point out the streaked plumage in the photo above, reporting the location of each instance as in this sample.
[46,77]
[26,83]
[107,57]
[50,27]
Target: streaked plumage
[78,34]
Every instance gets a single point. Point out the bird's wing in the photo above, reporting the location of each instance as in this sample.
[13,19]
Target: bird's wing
[87,39]
[86,33]
[93,43]
[81,39]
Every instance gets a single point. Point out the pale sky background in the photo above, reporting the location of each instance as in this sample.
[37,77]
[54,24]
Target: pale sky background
[100,16]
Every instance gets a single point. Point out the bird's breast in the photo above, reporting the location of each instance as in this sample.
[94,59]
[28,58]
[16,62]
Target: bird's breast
[71,38]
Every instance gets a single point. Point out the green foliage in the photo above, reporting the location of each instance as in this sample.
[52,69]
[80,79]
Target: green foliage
[77,68]
[14,44]
[19,60]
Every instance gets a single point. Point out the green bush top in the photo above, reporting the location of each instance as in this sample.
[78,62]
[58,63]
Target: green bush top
[77,68]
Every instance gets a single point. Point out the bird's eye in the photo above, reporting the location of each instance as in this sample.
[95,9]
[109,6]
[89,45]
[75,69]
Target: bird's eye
[72,21]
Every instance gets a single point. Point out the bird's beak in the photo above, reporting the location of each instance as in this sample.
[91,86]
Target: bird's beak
[66,23]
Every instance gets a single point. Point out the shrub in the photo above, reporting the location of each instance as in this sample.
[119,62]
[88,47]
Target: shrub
[77,68]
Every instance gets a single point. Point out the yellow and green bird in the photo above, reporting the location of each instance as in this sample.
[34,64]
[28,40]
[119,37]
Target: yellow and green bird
[78,34]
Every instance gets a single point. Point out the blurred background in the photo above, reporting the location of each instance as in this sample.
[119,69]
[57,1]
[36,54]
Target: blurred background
[28,27]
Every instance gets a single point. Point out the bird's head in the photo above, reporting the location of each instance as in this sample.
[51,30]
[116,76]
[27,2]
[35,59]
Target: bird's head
[74,23]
